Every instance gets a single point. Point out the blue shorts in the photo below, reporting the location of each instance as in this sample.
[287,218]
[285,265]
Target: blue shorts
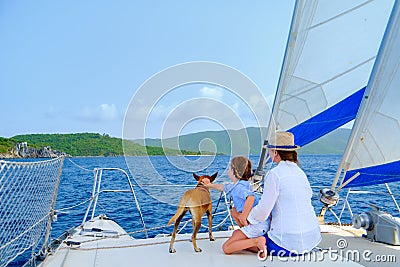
[274,250]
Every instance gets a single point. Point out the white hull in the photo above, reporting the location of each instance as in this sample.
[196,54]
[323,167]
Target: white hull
[113,247]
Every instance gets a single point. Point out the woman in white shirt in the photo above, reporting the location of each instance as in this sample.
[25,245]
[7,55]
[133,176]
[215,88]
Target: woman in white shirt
[287,197]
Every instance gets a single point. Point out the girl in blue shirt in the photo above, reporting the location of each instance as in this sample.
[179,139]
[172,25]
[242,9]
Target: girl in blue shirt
[244,200]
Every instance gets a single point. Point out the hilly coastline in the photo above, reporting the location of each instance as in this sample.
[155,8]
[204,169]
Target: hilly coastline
[235,142]
[76,145]
[228,142]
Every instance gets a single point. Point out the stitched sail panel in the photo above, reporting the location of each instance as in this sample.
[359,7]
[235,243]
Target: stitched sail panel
[375,136]
[330,53]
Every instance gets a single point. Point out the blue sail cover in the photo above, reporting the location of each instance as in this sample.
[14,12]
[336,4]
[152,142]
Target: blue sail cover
[328,120]
[385,173]
[374,147]
[331,50]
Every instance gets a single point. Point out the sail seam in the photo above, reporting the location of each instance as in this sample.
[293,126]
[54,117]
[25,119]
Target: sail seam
[341,14]
[325,82]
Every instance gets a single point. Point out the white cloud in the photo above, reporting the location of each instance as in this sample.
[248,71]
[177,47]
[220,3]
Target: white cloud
[213,92]
[103,112]
[107,111]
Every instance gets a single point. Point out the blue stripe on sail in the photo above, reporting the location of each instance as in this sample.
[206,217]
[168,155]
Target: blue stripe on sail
[328,120]
[385,173]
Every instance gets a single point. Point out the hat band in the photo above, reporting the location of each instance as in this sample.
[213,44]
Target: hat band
[282,147]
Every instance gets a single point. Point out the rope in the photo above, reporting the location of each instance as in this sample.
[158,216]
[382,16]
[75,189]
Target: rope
[136,245]
[24,232]
[219,200]
[229,214]
[159,227]
[218,225]
[204,226]
[127,233]
[137,184]
[71,207]
[79,166]
[27,197]
[151,229]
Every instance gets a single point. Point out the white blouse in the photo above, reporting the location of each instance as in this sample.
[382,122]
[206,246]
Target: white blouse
[287,194]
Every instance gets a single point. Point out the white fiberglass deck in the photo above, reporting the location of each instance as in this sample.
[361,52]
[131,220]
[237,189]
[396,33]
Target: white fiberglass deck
[118,249]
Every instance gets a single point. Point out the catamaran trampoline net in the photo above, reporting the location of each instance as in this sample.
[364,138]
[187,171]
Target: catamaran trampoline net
[27,198]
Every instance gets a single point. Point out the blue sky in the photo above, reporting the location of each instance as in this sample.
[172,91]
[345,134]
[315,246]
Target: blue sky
[74,66]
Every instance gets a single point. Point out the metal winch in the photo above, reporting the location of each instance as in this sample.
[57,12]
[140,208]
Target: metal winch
[380,226]
[329,197]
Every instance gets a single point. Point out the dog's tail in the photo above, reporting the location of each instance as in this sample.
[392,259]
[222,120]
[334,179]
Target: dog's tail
[177,214]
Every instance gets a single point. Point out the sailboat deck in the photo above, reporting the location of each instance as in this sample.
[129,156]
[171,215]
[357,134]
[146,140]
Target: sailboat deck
[123,250]
[349,243]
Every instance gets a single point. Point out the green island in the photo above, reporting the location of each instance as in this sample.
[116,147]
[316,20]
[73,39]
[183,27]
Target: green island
[85,144]
[6,144]
[228,142]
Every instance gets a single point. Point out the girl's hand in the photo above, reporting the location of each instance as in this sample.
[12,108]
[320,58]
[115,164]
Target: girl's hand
[205,182]
[234,212]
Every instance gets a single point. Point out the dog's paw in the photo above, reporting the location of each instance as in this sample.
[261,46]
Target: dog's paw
[172,250]
[198,250]
[212,238]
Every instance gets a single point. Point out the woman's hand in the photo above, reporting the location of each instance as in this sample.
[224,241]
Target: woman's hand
[235,214]
[243,219]
[239,218]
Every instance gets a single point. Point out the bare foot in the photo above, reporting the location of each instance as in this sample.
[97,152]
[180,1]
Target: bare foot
[262,250]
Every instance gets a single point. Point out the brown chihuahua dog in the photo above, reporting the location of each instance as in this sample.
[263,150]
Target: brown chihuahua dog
[198,202]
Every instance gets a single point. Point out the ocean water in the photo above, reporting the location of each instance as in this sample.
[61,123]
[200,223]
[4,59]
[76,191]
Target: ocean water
[158,201]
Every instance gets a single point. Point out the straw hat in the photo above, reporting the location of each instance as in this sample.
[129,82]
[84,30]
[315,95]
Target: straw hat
[282,141]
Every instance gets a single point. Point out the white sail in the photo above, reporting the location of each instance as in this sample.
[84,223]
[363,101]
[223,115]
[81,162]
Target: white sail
[374,148]
[330,53]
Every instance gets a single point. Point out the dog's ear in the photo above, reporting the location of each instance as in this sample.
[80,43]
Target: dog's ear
[196,177]
[212,178]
